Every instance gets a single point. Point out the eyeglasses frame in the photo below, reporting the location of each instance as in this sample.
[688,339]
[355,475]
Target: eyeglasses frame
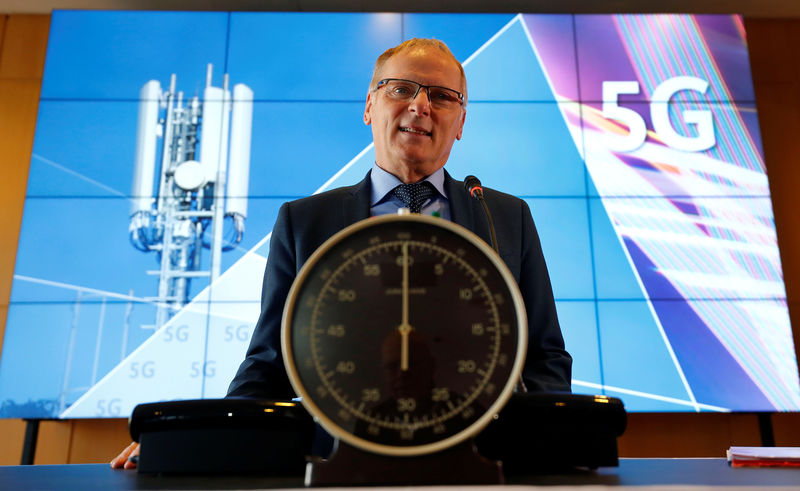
[420,86]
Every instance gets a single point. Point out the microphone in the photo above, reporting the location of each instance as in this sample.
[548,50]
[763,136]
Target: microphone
[473,186]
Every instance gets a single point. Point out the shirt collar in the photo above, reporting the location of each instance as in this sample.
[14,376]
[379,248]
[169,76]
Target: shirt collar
[383,183]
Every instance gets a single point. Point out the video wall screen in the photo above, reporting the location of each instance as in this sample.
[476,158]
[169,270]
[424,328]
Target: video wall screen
[166,142]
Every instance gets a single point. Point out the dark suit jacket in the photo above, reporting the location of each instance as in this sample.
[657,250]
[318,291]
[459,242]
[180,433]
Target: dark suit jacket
[303,225]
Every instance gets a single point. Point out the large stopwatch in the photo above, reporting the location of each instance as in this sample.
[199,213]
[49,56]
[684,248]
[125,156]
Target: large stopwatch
[404,334]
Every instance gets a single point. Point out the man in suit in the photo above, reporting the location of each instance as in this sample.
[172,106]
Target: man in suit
[416,106]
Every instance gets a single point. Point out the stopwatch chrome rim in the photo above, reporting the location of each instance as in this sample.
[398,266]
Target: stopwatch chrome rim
[395,450]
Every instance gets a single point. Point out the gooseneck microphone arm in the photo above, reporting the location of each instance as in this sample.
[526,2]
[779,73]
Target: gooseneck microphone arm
[474,189]
[473,186]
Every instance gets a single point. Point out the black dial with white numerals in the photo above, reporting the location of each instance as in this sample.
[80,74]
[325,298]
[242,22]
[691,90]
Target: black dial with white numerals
[404,334]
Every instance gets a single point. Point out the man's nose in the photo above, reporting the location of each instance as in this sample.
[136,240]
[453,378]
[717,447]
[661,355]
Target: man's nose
[421,103]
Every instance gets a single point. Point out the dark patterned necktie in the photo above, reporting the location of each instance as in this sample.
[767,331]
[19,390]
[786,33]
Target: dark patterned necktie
[414,195]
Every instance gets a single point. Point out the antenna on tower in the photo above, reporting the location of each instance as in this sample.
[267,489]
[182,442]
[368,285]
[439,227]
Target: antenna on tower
[196,193]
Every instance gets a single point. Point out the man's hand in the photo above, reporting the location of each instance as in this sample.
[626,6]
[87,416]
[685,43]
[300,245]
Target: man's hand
[123,460]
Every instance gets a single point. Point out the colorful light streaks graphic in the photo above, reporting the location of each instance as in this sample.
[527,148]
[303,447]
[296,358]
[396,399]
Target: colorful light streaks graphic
[697,226]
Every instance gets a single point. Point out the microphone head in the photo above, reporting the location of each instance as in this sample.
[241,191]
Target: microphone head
[473,186]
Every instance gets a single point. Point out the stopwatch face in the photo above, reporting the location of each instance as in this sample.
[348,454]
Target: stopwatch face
[404,335]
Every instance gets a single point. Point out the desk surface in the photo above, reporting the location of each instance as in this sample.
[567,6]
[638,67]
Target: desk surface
[631,472]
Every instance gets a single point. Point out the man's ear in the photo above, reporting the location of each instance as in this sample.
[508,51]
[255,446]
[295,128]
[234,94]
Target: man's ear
[461,125]
[367,109]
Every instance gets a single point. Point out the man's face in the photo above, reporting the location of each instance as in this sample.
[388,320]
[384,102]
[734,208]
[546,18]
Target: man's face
[413,139]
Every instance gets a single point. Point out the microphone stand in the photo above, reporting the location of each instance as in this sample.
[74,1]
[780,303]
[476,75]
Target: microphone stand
[474,189]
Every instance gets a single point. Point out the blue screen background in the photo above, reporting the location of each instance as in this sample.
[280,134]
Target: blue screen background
[80,338]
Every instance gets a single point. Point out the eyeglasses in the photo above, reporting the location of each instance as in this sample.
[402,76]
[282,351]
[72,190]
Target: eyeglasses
[407,90]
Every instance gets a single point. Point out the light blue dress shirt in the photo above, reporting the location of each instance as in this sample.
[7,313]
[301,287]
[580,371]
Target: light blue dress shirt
[383,201]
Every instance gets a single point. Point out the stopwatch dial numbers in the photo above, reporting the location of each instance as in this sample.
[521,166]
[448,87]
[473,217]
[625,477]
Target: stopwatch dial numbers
[405,340]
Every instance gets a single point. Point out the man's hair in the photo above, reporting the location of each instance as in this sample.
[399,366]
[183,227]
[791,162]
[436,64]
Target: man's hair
[418,44]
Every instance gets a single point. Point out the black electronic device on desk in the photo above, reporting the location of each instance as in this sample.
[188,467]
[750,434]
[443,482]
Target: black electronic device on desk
[218,436]
[554,432]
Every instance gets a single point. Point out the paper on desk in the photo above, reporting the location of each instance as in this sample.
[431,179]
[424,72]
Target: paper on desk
[764,456]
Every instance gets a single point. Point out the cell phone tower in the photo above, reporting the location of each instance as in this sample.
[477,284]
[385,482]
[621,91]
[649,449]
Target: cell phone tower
[190,193]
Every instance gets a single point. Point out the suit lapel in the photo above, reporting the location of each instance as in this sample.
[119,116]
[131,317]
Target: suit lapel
[356,205]
[465,210]
[461,210]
